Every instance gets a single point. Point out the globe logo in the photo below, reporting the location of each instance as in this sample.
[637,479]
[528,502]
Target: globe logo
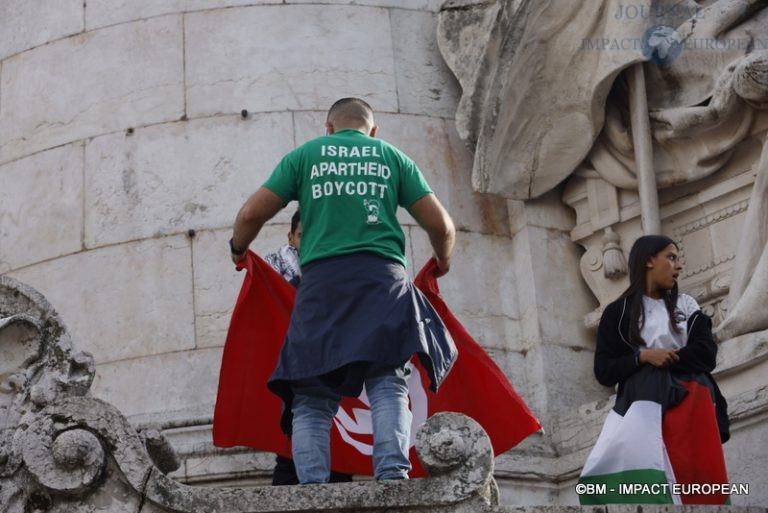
[661,44]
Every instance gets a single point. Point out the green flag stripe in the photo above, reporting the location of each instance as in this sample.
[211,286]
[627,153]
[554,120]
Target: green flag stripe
[645,486]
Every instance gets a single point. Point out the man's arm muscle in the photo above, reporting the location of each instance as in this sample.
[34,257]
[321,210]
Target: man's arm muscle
[257,210]
[432,216]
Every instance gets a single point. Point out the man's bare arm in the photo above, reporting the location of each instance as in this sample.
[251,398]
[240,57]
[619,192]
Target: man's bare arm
[257,210]
[432,216]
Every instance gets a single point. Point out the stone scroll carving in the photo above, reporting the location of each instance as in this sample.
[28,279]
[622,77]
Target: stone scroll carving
[64,451]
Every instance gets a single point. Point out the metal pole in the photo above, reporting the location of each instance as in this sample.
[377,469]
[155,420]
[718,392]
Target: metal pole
[641,137]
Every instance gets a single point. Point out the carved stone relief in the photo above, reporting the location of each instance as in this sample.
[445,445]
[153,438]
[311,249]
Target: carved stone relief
[705,220]
[531,127]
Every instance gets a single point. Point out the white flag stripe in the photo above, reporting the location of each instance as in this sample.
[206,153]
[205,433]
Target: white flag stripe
[632,442]
[669,471]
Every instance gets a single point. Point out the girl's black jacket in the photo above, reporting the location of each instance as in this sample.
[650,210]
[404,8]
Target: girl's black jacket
[616,356]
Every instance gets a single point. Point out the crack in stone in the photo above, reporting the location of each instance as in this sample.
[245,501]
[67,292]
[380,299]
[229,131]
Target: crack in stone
[143,490]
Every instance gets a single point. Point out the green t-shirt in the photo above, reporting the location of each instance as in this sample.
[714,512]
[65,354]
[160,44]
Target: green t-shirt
[349,186]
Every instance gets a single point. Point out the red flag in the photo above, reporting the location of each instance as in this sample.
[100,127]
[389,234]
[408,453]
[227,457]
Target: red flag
[692,439]
[248,414]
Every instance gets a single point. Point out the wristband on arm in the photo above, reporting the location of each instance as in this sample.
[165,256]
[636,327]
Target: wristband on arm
[234,250]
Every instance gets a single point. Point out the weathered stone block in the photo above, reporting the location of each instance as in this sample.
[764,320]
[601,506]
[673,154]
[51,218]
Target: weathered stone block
[161,382]
[562,367]
[444,160]
[536,388]
[549,291]
[25,24]
[494,331]
[138,81]
[217,284]
[288,57]
[427,142]
[425,85]
[488,213]
[525,493]
[174,177]
[745,379]
[122,301]
[479,291]
[252,467]
[310,124]
[513,365]
[517,219]
[745,453]
[40,193]
[99,13]
[525,283]
[548,211]
[577,428]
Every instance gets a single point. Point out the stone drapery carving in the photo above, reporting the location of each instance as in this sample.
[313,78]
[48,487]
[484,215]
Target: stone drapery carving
[749,282]
[536,78]
[544,98]
[533,99]
[62,450]
[701,106]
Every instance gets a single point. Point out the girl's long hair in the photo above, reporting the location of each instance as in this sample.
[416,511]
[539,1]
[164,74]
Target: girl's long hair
[642,250]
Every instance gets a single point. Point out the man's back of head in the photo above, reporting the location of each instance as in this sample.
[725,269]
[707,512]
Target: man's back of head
[350,113]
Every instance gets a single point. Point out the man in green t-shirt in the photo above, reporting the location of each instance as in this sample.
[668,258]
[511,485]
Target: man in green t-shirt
[358,319]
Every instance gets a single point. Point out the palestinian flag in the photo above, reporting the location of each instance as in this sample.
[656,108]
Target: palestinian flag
[248,414]
[659,444]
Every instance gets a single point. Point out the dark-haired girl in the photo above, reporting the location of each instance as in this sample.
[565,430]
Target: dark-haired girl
[662,441]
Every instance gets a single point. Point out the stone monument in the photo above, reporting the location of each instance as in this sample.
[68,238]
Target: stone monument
[642,117]
[131,131]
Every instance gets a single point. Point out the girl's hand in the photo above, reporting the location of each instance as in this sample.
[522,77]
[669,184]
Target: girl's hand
[659,357]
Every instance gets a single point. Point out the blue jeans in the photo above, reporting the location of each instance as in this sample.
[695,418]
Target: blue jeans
[314,408]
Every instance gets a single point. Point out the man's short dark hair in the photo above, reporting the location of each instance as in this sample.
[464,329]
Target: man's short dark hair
[295,221]
[351,109]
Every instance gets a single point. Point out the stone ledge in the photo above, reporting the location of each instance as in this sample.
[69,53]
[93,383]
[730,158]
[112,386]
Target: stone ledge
[741,352]
[189,433]
[58,459]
